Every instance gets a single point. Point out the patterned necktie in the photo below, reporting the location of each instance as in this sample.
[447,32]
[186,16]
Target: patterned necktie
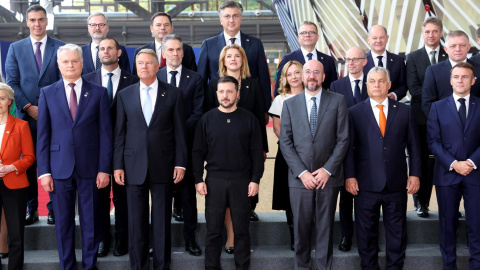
[382,120]
[38,55]
[433,60]
[462,111]
[173,80]
[110,87]
[380,63]
[313,117]
[147,106]
[309,56]
[73,101]
[358,95]
[233,40]
[98,64]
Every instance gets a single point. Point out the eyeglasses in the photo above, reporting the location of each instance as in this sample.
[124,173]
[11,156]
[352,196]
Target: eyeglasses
[309,72]
[307,33]
[228,16]
[354,60]
[95,25]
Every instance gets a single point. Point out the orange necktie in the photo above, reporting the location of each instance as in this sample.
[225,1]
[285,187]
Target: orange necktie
[382,120]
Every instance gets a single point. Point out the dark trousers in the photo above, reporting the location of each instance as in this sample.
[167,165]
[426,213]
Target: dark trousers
[63,197]
[121,212]
[448,202]
[14,202]
[223,193]
[138,227]
[424,193]
[313,210]
[346,212]
[189,202]
[367,215]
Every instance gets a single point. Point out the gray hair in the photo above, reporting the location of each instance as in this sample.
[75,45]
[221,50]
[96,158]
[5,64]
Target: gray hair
[97,14]
[72,48]
[9,92]
[170,37]
[455,33]
[379,70]
[230,4]
[150,52]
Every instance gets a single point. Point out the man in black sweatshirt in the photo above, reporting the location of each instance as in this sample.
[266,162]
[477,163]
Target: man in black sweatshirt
[228,138]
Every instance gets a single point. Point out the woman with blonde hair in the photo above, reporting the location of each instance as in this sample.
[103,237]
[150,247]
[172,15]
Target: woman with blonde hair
[233,62]
[291,84]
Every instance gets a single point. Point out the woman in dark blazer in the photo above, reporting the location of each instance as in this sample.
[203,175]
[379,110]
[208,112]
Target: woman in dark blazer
[16,156]
[233,62]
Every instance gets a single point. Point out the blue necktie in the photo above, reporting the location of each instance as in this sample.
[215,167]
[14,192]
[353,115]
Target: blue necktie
[173,80]
[358,95]
[232,40]
[462,111]
[110,87]
[313,117]
[147,106]
[98,64]
[380,63]
[309,55]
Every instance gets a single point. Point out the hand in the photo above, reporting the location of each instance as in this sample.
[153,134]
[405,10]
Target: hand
[47,183]
[308,180]
[201,188]
[33,112]
[252,189]
[178,174]
[392,96]
[6,169]
[264,156]
[119,176]
[321,176]
[351,185]
[463,167]
[413,184]
[267,118]
[103,180]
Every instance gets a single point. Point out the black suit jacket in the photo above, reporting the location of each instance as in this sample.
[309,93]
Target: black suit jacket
[191,85]
[327,62]
[188,60]
[417,63]
[396,66]
[88,65]
[344,87]
[476,58]
[156,148]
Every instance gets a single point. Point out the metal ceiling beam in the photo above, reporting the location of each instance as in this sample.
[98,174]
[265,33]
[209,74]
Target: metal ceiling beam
[135,8]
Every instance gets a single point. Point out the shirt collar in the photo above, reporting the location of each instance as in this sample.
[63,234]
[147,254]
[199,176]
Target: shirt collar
[154,85]
[308,97]
[352,79]
[158,46]
[454,63]
[305,52]
[374,104]
[43,40]
[116,72]
[227,37]
[78,83]
[456,97]
[179,69]
[384,54]
[428,49]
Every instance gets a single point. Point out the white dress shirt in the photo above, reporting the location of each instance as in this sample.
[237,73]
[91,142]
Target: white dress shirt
[384,58]
[42,47]
[454,63]
[238,40]
[467,105]
[305,52]
[78,90]
[376,110]
[152,92]
[115,79]
[309,102]
[93,50]
[177,77]
[352,83]
[428,49]
[158,50]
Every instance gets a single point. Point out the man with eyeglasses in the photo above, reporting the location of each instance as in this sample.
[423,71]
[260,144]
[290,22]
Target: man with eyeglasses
[378,56]
[98,30]
[417,63]
[308,37]
[353,87]
[314,141]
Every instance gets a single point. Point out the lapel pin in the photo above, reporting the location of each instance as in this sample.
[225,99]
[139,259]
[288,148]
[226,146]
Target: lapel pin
[443,55]
[394,106]
[246,86]
[8,131]
[188,76]
[391,60]
[248,39]
[86,94]
[163,94]
[124,77]
[321,57]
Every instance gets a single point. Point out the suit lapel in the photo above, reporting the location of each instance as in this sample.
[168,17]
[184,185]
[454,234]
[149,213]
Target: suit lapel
[299,56]
[221,41]
[426,58]
[392,111]
[47,57]
[325,97]
[62,99]
[123,80]
[184,80]
[453,109]
[349,98]
[367,109]
[245,42]
[370,64]
[364,87]
[87,59]
[443,55]
[162,75]
[30,57]
[471,111]
[161,96]
[302,110]
[8,130]
[85,95]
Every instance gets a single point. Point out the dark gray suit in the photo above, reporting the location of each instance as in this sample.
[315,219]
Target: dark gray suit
[302,152]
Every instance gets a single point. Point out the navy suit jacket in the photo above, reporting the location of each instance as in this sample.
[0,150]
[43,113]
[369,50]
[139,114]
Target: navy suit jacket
[327,62]
[396,66]
[257,63]
[378,161]
[188,60]
[88,65]
[448,141]
[191,85]
[344,87]
[23,76]
[84,144]
[417,63]
[156,148]
[437,84]
[476,58]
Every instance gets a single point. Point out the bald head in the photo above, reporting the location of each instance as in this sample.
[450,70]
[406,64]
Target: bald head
[355,60]
[313,76]
[377,39]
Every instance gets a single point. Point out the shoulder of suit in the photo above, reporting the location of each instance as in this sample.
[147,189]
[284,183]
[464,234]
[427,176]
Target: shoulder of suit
[416,53]
[191,73]
[212,39]
[325,56]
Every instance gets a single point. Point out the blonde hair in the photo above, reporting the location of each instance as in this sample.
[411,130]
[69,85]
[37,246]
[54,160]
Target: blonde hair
[284,87]
[9,92]
[222,69]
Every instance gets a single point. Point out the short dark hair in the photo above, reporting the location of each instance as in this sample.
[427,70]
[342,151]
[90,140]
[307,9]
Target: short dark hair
[158,14]
[464,65]
[35,8]
[230,4]
[228,79]
[433,20]
[117,45]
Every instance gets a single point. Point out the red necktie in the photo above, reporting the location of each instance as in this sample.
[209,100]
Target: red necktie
[73,101]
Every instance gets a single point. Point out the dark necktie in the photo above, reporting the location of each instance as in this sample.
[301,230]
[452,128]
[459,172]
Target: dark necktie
[358,95]
[173,80]
[98,64]
[110,87]
[433,60]
[313,117]
[38,55]
[309,56]
[462,111]
[380,63]
[233,40]
[73,101]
